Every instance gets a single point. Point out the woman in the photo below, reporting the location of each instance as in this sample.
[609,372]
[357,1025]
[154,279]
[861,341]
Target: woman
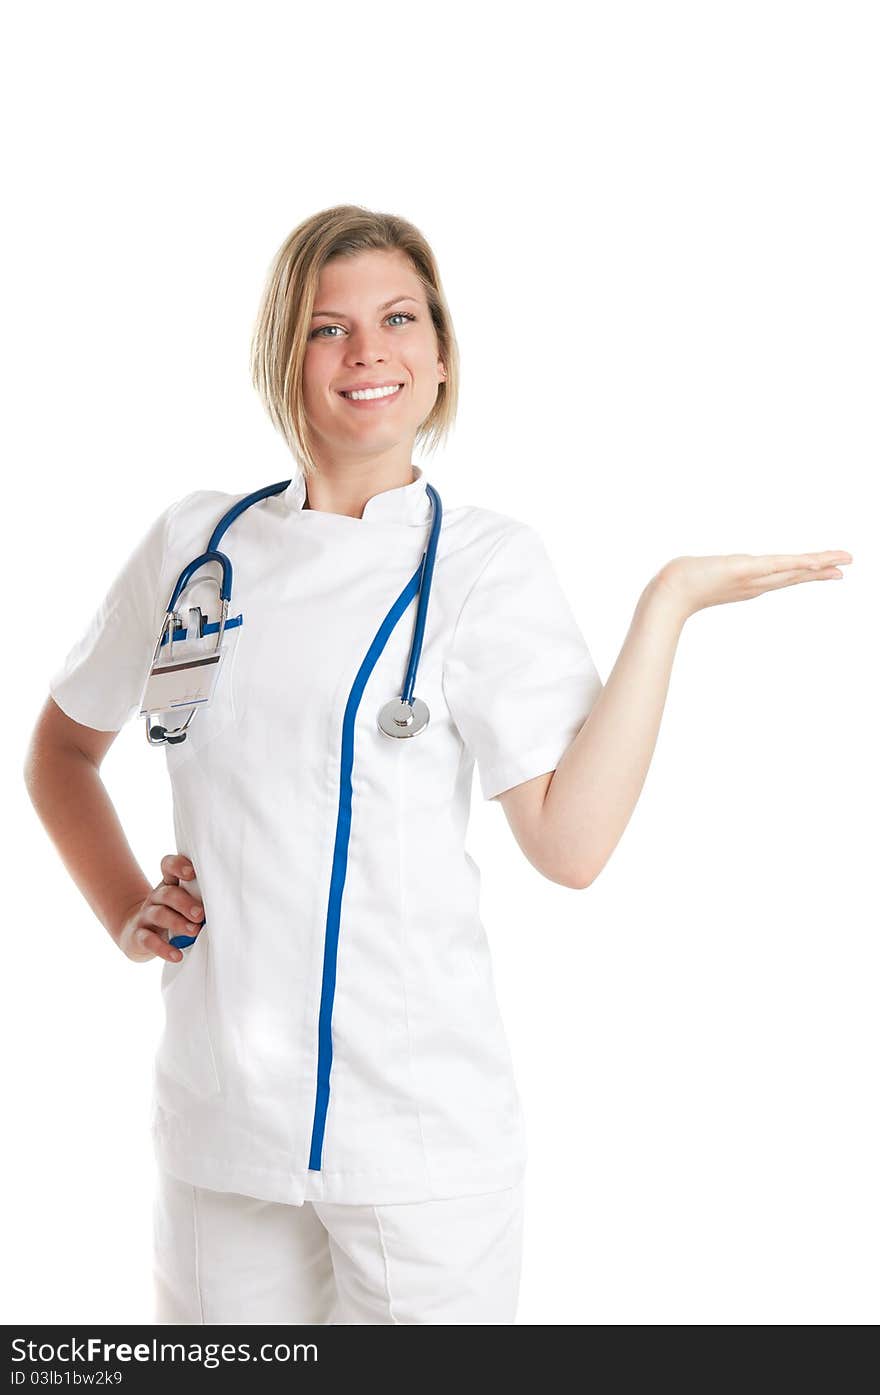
[337,1126]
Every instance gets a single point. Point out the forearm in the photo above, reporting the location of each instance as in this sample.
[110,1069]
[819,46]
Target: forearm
[599,779]
[74,807]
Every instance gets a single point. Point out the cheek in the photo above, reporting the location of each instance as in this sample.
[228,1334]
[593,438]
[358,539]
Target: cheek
[426,373]
[427,359]
[316,378]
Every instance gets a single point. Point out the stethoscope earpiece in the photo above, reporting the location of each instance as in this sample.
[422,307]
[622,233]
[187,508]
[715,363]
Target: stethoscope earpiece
[158,735]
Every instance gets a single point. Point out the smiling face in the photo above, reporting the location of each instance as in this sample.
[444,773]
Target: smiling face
[371,325]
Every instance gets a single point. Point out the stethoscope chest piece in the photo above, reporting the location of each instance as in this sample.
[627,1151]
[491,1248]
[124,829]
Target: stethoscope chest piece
[400,719]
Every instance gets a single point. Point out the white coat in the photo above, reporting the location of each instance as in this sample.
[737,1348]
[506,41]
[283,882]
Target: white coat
[333,1032]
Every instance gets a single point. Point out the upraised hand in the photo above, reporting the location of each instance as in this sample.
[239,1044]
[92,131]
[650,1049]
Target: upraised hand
[694,583]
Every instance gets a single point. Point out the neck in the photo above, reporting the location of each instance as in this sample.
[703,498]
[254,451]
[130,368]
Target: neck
[349,494]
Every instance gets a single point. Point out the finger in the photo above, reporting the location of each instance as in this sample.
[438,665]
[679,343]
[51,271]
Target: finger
[792,578]
[175,867]
[153,943]
[165,918]
[790,562]
[775,564]
[817,561]
[181,900]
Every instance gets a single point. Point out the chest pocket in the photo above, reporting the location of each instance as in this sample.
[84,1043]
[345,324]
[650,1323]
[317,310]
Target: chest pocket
[199,613]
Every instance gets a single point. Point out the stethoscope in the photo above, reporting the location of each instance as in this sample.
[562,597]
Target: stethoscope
[401,717]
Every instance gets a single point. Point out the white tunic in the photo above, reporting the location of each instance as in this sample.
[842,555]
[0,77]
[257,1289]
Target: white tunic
[333,1032]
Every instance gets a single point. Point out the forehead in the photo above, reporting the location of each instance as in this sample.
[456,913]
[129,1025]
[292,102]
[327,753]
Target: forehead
[374,275]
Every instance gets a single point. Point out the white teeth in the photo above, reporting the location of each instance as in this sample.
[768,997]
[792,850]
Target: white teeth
[365,394]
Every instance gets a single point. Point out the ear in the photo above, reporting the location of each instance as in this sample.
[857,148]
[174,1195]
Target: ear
[442,368]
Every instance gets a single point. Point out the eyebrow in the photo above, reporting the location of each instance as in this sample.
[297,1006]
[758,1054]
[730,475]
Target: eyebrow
[341,315]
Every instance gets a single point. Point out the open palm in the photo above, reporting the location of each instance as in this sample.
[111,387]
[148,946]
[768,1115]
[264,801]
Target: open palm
[697,582]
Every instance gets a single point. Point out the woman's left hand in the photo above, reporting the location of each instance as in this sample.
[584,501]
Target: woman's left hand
[693,583]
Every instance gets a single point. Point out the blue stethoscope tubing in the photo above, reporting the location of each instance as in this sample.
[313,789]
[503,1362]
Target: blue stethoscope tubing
[425,581]
[426,577]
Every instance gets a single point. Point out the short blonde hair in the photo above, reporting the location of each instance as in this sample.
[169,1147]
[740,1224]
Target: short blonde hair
[281,332]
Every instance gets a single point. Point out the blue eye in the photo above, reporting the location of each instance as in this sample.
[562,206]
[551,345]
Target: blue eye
[319,332]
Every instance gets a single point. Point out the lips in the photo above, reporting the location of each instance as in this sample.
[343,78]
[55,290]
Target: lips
[381,403]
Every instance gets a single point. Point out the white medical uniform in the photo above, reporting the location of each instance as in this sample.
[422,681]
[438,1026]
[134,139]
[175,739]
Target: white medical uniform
[333,1035]
[221,1257]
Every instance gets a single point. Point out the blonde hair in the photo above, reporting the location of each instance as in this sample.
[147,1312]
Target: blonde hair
[281,332]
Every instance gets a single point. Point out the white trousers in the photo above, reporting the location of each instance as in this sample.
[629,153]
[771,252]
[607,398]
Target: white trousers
[220,1257]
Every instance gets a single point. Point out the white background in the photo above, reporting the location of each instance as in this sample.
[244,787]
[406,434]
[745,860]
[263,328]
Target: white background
[658,233]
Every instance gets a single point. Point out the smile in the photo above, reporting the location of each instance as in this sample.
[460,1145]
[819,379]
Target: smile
[372,395]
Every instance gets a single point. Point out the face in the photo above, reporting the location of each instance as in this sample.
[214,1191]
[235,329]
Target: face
[357,335]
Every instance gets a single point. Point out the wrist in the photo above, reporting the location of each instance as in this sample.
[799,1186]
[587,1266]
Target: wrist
[663,603]
[121,917]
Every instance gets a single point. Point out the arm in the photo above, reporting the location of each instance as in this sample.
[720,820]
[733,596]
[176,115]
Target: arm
[570,821]
[61,772]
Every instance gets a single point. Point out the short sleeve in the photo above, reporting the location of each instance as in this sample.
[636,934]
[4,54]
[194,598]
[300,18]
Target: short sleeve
[519,679]
[101,681]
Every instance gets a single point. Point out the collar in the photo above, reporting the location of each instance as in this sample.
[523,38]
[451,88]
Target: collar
[408,503]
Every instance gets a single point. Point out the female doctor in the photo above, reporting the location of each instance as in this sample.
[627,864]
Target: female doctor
[336,1122]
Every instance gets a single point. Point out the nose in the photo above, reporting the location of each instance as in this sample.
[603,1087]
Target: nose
[365,347]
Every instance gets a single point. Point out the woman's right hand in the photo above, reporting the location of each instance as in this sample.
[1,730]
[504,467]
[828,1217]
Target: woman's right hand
[168,911]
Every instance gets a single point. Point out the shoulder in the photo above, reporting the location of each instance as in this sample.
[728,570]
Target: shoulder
[481,534]
[490,559]
[494,547]
[191,520]
[201,505]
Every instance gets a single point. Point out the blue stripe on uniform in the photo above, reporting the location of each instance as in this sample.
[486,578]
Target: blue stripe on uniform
[340,862]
